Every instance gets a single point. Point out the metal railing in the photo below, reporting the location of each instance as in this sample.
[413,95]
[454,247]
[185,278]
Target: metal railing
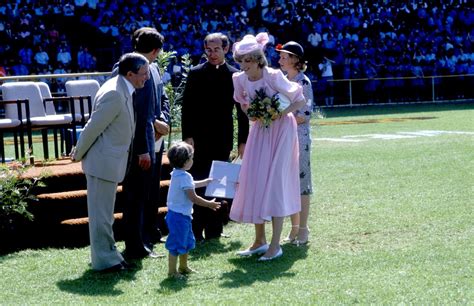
[346,92]
[397,90]
[35,77]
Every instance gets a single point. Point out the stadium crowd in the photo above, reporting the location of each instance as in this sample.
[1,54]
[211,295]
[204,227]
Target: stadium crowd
[345,39]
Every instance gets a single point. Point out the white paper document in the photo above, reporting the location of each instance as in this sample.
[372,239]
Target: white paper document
[225,176]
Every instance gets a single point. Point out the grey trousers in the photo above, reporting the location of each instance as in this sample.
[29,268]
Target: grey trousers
[100,207]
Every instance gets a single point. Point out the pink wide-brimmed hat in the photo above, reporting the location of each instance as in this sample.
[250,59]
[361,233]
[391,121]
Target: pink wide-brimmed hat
[250,43]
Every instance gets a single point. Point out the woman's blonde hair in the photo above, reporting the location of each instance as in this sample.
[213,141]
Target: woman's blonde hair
[256,56]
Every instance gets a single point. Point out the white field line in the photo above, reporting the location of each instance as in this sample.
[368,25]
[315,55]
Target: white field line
[398,135]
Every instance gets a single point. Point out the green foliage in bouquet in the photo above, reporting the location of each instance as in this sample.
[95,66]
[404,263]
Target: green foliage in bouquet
[15,193]
[263,108]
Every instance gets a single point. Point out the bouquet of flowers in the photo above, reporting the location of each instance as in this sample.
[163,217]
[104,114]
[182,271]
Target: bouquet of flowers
[265,109]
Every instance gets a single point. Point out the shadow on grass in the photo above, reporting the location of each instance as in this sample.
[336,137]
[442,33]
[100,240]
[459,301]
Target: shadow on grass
[203,250]
[213,246]
[93,283]
[249,270]
[172,285]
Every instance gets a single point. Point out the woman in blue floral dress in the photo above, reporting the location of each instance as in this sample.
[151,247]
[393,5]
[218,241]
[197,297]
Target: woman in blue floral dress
[291,61]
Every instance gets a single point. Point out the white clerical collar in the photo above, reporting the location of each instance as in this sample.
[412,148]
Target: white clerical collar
[218,66]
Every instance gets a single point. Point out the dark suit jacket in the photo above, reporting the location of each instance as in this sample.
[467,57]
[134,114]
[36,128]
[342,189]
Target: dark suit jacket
[207,109]
[146,113]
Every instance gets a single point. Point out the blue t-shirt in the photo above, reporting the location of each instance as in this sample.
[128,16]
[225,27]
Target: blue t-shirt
[178,200]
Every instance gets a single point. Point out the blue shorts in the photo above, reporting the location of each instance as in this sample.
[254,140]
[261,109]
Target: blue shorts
[180,238]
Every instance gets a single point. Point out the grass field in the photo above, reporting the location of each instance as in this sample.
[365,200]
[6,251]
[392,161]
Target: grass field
[391,222]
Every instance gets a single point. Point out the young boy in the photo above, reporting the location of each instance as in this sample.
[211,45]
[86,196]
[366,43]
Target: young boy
[181,196]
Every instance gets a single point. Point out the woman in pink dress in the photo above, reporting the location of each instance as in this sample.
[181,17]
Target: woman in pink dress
[269,186]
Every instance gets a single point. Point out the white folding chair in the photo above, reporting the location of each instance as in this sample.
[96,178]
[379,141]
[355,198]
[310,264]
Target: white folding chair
[38,117]
[15,125]
[69,136]
[46,94]
[82,91]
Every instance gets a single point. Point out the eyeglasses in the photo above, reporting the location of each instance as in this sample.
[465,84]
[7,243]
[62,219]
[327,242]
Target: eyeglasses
[146,73]
[209,51]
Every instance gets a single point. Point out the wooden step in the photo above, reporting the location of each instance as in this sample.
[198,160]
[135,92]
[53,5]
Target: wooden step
[54,207]
[64,175]
[74,194]
[63,166]
[63,203]
[67,195]
[54,168]
[117,216]
[59,175]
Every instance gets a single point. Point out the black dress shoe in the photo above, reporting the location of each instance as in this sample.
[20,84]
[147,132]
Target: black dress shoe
[141,254]
[213,236]
[128,266]
[136,254]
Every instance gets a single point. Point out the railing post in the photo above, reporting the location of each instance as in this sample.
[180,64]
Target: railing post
[350,93]
[432,89]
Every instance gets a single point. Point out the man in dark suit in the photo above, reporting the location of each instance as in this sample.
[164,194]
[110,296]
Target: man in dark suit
[142,181]
[208,124]
[104,150]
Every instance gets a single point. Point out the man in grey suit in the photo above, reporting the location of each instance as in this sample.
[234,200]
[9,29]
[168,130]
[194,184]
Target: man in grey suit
[104,147]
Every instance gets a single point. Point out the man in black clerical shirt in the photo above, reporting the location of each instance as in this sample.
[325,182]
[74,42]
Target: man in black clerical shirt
[207,124]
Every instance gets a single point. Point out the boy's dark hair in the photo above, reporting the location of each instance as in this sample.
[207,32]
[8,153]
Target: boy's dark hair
[179,154]
[147,39]
[131,62]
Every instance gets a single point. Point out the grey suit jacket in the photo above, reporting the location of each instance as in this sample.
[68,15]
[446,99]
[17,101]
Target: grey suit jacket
[104,143]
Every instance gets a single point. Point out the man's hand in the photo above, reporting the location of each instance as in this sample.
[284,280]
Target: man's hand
[144,161]
[161,127]
[71,155]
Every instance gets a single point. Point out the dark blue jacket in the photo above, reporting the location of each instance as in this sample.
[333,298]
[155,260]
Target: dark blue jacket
[150,103]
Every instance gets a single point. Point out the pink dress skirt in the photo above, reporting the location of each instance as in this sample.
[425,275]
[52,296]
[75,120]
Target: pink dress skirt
[269,182]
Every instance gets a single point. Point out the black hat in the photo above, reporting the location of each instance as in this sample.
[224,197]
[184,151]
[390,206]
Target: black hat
[291,47]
